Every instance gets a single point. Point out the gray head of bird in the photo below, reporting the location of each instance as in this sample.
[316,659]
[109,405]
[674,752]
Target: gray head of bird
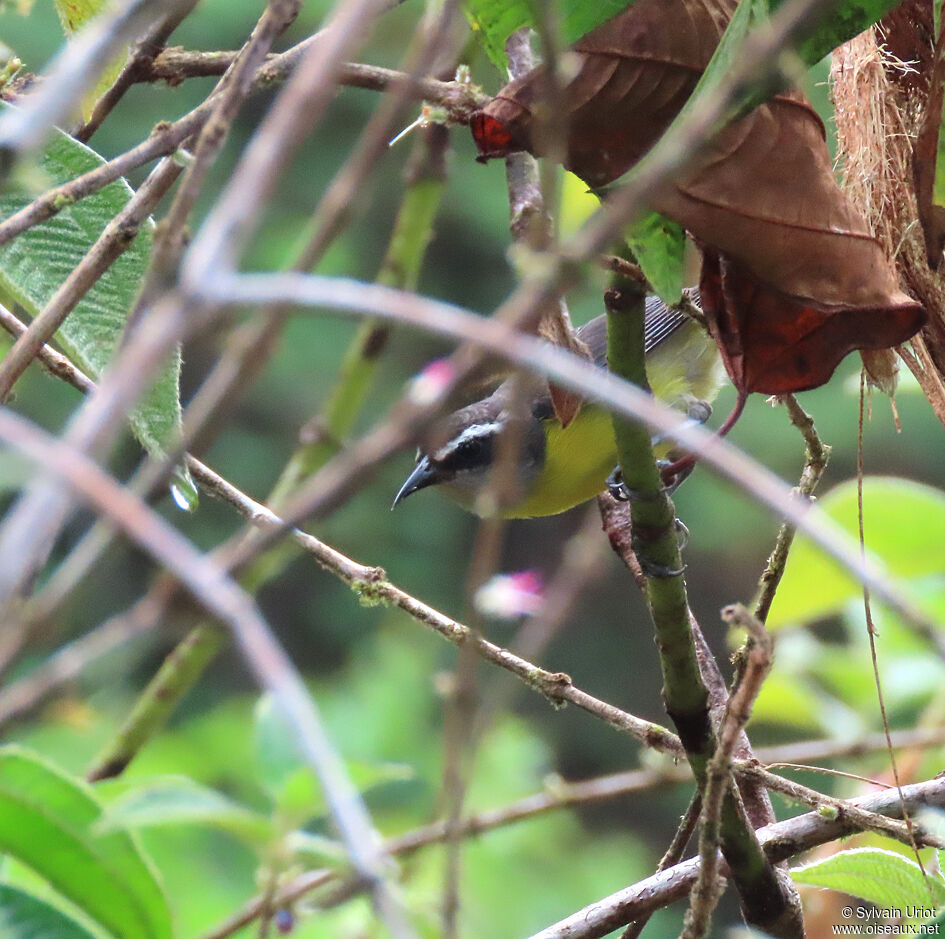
[461,452]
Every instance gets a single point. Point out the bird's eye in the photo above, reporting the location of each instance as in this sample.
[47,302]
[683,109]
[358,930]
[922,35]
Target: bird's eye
[469,451]
[471,446]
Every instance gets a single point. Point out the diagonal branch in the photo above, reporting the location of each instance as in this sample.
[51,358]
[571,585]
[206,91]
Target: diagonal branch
[780,841]
[23,129]
[114,240]
[141,55]
[752,478]
[224,599]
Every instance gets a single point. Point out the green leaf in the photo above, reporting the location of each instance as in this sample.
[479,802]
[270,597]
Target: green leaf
[904,524]
[496,20]
[47,820]
[844,21]
[34,265]
[286,773]
[885,878]
[23,916]
[659,245]
[75,14]
[177,800]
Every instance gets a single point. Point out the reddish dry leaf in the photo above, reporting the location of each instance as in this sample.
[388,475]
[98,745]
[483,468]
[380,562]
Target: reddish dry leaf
[801,280]
[775,343]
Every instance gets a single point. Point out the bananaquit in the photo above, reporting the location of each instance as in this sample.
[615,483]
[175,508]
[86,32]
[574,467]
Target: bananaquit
[560,467]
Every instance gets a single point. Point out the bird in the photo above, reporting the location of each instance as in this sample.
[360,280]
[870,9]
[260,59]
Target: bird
[558,467]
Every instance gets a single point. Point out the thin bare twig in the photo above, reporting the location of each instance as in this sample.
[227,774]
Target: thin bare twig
[73,72]
[863,819]
[871,633]
[30,528]
[707,888]
[90,432]
[816,462]
[558,794]
[672,856]
[139,58]
[371,581]
[300,105]
[245,354]
[371,578]
[231,92]
[363,579]
[781,841]
[353,297]
[71,661]
[458,98]
[223,598]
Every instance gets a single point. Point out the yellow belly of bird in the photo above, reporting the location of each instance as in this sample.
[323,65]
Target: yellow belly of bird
[578,460]
[580,457]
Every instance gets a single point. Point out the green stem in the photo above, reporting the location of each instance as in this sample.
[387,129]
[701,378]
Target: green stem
[412,233]
[413,230]
[654,531]
[176,676]
[764,902]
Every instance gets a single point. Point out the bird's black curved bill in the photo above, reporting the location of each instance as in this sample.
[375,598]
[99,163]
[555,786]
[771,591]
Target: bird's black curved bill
[423,475]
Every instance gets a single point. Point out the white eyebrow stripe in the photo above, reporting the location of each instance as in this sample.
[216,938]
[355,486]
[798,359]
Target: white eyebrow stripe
[489,429]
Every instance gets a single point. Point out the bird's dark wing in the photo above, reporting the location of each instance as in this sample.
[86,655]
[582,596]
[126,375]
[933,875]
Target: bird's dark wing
[660,322]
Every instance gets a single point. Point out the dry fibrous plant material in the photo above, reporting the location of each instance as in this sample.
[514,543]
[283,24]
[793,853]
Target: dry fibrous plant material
[882,86]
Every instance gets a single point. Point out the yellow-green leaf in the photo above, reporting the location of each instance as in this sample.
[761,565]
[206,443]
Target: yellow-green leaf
[904,525]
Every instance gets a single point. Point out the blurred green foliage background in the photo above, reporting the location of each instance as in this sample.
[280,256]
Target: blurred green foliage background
[374,672]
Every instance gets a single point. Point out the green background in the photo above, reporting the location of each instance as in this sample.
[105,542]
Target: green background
[375,673]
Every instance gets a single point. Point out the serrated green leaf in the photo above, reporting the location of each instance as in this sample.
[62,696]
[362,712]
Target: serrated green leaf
[23,916]
[659,245]
[34,265]
[885,878]
[904,524]
[496,20]
[177,800]
[47,821]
